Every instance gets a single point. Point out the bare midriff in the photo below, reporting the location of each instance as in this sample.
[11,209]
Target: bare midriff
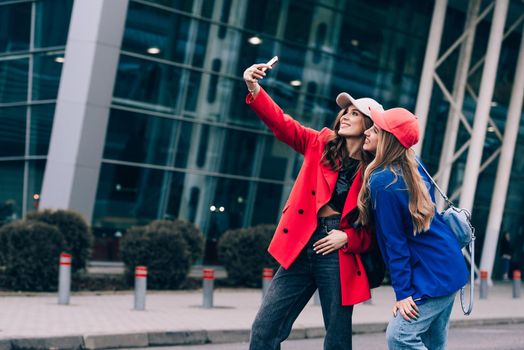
[326,211]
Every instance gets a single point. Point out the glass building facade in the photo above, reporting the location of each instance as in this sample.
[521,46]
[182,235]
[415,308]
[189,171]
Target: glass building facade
[33,36]
[180,141]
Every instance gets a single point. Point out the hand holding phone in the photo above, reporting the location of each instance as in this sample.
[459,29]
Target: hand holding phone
[271,62]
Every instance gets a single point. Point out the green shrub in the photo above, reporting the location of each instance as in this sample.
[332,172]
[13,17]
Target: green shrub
[167,248]
[244,254]
[74,229]
[31,252]
[189,231]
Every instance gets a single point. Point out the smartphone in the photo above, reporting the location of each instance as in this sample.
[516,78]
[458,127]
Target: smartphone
[272,62]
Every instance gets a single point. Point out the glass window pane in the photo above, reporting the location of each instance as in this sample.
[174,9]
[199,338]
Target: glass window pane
[15,26]
[182,5]
[52,22]
[147,84]
[200,43]
[193,89]
[275,159]
[12,131]
[298,26]
[268,197]
[237,152]
[12,180]
[224,211]
[41,125]
[262,16]
[157,32]
[127,196]
[34,186]
[13,80]
[46,75]
[141,138]
[207,8]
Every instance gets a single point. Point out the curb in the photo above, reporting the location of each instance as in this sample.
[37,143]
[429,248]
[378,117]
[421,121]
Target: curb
[199,336]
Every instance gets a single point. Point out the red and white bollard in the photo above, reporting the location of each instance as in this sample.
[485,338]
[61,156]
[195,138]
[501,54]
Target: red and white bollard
[483,284]
[208,281]
[140,287]
[517,284]
[267,276]
[64,278]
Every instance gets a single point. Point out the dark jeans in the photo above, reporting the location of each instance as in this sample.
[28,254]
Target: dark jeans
[290,291]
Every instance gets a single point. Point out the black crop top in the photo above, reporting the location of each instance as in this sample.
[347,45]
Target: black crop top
[344,181]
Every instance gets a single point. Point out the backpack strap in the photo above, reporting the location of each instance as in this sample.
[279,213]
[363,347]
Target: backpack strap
[435,184]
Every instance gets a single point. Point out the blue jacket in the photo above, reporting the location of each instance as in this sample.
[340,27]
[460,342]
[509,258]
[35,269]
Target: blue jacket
[427,265]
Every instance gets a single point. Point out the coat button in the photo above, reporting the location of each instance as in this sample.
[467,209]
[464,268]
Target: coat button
[285,230]
[313,193]
[359,273]
[301,211]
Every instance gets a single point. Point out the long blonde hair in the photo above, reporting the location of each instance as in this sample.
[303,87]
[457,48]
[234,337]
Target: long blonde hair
[391,154]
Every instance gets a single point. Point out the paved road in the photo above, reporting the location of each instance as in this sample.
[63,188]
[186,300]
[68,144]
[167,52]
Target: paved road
[508,337]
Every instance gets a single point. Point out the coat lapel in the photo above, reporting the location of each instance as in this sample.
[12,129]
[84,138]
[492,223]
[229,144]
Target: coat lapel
[352,198]
[325,184]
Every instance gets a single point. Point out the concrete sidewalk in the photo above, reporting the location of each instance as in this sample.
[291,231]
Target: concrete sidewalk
[101,321]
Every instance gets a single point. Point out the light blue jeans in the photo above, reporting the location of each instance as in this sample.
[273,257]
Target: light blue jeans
[429,331]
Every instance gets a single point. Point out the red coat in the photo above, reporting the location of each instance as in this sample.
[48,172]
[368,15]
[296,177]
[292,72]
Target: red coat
[312,190]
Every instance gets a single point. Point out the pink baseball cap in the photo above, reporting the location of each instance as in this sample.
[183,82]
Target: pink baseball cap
[363,104]
[400,122]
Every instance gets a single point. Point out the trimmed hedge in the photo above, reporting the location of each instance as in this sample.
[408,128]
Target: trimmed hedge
[30,252]
[75,231]
[189,231]
[244,254]
[167,248]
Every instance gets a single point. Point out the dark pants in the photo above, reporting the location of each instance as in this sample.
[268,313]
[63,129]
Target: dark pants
[290,291]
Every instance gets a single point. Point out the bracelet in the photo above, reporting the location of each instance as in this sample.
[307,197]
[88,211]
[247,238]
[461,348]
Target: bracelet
[252,91]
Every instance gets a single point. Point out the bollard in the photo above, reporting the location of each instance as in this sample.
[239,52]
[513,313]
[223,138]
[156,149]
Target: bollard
[64,278]
[517,283]
[208,281]
[140,287]
[483,284]
[316,298]
[267,276]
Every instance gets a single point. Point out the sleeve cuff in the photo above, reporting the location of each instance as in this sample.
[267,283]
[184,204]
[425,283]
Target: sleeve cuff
[251,100]
[403,294]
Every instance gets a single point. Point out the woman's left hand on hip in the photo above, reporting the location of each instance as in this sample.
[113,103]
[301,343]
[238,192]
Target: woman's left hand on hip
[335,240]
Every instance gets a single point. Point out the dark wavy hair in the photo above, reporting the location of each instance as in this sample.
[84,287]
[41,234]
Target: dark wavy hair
[336,154]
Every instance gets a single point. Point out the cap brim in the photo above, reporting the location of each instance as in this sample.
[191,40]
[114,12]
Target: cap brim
[378,119]
[344,100]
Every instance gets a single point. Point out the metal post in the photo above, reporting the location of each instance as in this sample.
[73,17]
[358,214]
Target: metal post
[517,284]
[483,284]
[267,276]
[459,89]
[64,278]
[208,281]
[140,287]
[487,85]
[430,59]
[504,167]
